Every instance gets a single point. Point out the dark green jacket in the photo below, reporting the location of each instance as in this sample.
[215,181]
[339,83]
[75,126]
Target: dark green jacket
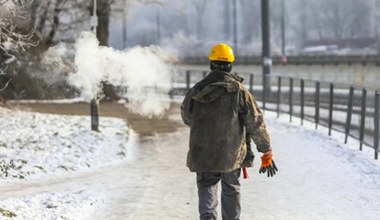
[222,116]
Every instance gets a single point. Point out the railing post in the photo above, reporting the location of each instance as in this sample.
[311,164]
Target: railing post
[251,83]
[278,96]
[377,124]
[349,113]
[187,79]
[362,117]
[291,98]
[331,107]
[94,109]
[317,102]
[302,100]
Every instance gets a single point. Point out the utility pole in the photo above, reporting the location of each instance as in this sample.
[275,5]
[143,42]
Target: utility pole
[283,40]
[94,105]
[125,24]
[377,20]
[266,55]
[158,26]
[234,16]
[94,18]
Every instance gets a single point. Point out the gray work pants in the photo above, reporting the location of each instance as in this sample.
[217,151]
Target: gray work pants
[207,194]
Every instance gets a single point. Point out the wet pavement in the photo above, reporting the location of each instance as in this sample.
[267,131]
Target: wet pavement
[143,126]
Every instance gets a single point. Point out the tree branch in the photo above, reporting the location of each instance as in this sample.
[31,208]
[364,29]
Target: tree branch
[6,85]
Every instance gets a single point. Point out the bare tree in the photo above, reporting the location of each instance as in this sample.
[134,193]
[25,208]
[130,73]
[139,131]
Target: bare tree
[63,19]
[251,19]
[12,38]
[103,12]
[300,24]
[59,19]
[200,6]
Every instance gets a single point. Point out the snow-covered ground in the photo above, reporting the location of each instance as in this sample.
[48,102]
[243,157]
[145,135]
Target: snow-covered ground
[37,146]
[34,145]
[319,177]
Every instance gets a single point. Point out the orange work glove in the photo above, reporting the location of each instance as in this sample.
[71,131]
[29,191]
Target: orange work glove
[268,165]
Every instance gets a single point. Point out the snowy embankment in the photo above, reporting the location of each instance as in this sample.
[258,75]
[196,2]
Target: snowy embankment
[38,146]
[33,144]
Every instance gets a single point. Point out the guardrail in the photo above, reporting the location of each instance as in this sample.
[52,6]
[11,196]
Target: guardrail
[297,60]
[350,110]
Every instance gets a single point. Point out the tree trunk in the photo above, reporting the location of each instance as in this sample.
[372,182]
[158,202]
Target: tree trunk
[103,12]
[53,31]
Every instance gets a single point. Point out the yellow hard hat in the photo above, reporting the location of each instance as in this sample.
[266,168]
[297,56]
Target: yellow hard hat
[222,52]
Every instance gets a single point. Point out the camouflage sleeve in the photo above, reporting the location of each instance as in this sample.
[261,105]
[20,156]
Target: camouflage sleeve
[186,108]
[253,119]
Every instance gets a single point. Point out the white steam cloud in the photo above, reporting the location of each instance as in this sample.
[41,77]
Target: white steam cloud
[144,72]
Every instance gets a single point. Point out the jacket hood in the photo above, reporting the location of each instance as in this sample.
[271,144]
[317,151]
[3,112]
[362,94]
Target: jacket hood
[214,90]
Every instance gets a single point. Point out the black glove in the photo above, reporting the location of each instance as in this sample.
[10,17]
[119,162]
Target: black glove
[268,165]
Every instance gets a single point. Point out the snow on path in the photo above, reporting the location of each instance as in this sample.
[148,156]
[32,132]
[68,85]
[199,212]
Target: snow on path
[319,178]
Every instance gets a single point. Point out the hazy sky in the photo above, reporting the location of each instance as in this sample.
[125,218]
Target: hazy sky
[199,24]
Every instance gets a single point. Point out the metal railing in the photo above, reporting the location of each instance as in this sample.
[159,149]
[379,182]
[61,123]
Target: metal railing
[298,60]
[350,110]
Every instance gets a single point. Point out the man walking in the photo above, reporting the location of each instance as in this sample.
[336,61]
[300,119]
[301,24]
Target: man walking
[223,118]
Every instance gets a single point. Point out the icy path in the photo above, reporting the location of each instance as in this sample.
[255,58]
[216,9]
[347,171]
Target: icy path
[319,178]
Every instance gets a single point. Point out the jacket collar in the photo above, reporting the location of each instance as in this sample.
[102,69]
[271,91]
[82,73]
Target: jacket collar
[227,75]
